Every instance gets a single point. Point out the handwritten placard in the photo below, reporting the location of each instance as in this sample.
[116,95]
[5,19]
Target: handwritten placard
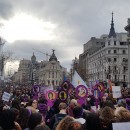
[6,96]
[116,91]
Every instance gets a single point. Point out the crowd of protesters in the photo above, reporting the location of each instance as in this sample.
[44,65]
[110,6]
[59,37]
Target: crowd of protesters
[25,113]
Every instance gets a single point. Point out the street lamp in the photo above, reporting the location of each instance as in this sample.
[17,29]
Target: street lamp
[127,28]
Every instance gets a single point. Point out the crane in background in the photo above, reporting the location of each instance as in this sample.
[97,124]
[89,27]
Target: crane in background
[47,55]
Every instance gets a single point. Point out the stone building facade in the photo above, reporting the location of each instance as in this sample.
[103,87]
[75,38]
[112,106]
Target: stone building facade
[49,73]
[106,58]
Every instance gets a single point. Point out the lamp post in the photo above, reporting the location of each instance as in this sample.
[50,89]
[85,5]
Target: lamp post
[127,28]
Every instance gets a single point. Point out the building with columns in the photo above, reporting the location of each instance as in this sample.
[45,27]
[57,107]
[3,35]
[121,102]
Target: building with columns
[106,58]
[127,28]
[49,73]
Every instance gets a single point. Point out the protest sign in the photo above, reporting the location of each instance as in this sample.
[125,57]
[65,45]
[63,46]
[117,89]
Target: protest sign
[51,97]
[6,96]
[65,85]
[121,126]
[116,91]
[63,96]
[81,93]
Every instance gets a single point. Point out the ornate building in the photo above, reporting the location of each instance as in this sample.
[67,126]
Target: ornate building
[51,72]
[45,72]
[106,58]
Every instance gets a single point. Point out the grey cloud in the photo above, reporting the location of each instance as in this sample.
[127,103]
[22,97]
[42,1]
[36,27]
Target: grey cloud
[6,9]
[77,21]
[24,49]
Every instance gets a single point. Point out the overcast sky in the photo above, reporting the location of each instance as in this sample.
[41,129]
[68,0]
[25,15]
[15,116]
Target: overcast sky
[63,25]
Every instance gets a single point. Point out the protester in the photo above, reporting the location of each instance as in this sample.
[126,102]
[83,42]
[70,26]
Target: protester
[8,122]
[78,115]
[42,127]
[71,106]
[52,111]
[87,105]
[58,117]
[75,125]
[121,103]
[16,112]
[23,118]
[37,115]
[1,110]
[63,124]
[34,120]
[107,117]
[1,106]
[103,100]
[0,93]
[42,106]
[16,104]
[32,105]
[108,103]
[128,103]
[122,114]
[92,121]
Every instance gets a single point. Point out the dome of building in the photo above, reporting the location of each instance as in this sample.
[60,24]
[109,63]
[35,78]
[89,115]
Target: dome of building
[53,57]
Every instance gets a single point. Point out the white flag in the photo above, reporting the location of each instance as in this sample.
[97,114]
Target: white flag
[77,80]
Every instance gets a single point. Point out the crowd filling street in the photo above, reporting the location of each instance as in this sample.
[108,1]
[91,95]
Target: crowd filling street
[26,108]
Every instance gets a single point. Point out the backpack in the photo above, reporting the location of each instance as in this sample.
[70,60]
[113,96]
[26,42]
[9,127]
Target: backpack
[56,122]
